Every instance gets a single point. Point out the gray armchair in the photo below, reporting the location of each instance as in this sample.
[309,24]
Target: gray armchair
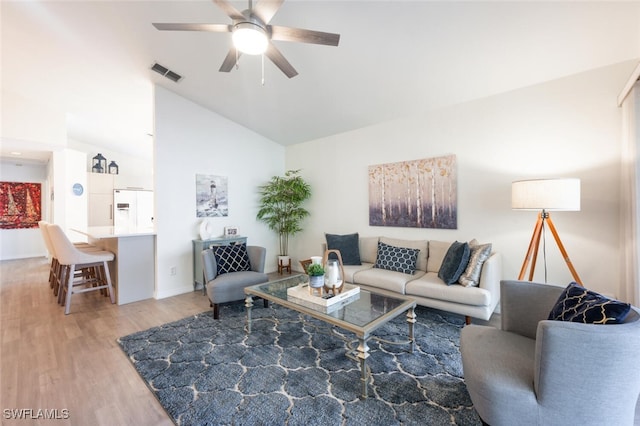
[229,287]
[540,372]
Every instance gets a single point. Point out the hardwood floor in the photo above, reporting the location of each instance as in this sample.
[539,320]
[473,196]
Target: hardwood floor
[56,362]
[51,361]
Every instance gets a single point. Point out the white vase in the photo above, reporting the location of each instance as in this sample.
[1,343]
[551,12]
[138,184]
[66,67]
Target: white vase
[316,281]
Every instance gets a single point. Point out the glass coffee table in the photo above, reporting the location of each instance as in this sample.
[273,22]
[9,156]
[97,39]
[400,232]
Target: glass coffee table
[361,316]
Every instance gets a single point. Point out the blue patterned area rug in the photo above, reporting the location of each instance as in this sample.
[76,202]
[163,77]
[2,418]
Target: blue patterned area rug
[293,370]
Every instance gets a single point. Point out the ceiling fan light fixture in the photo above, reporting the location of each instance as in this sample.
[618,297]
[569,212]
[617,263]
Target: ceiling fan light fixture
[250,38]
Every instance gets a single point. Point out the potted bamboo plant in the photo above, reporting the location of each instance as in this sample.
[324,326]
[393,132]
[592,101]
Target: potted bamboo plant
[281,208]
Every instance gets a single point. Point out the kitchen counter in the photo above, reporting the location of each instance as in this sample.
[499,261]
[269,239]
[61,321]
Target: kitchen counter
[133,271]
[99,232]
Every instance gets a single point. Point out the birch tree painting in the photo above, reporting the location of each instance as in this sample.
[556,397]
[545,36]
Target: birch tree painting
[415,194]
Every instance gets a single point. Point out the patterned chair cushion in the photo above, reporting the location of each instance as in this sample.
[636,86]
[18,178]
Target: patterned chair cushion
[399,259]
[577,304]
[231,258]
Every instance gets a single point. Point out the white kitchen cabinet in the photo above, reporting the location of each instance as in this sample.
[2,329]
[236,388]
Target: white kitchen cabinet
[133,181]
[100,209]
[100,183]
[100,199]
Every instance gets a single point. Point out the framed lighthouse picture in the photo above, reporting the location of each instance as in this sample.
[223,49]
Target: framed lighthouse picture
[212,196]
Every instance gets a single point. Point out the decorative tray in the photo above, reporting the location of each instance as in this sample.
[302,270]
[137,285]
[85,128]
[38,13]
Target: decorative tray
[327,303]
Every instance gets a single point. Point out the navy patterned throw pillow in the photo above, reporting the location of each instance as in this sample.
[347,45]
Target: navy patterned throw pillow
[577,304]
[231,258]
[399,259]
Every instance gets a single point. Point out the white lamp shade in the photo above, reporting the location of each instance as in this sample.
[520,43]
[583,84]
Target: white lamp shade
[546,194]
[250,38]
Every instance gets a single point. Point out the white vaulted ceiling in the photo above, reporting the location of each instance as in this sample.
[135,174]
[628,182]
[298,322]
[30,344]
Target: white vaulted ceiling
[92,60]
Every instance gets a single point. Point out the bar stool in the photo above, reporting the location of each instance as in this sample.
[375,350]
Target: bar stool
[56,269]
[93,264]
[53,268]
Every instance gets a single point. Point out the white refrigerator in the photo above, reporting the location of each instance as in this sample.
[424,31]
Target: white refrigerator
[133,208]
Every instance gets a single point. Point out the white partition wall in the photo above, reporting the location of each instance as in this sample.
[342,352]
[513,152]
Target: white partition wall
[192,140]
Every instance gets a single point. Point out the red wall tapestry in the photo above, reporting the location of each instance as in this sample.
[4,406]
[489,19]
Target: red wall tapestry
[20,205]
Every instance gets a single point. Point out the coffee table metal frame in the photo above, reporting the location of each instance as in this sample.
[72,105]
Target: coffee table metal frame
[275,291]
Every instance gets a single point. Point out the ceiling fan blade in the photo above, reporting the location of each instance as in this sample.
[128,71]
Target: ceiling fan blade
[231,11]
[230,60]
[277,58]
[303,36]
[265,9]
[215,28]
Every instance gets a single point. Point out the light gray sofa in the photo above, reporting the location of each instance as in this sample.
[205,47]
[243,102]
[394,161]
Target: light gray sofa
[424,285]
[535,371]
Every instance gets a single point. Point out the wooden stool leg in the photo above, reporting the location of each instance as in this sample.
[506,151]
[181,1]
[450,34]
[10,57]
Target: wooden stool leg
[105,269]
[69,288]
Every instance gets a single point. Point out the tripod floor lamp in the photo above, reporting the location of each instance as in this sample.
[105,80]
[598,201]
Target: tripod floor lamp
[545,195]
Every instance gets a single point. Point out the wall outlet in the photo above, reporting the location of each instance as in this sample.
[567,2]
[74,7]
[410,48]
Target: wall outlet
[172,270]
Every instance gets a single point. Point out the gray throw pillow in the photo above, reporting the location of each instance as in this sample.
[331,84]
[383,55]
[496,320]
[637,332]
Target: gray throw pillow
[478,254]
[348,246]
[454,262]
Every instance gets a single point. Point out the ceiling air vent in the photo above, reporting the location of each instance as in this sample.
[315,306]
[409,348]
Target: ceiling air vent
[166,72]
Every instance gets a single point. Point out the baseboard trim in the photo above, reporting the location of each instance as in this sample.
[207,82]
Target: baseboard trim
[173,292]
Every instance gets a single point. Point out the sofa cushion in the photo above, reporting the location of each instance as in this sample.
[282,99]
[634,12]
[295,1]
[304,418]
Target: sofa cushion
[348,246]
[422,245]
[385,279]
[399,259]
[437,251]
[578,304]
[351,270]
[454,263]
[432,287]
[477,256]
[368,249]
[231,258]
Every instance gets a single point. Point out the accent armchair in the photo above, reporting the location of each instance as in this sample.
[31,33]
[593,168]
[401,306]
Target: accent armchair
[229,269]
[536,371]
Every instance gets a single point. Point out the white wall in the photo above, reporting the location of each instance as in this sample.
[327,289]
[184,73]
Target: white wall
[133,170]
[28,125]
[23,243]
[31,123]
[192,140]
[564,128]
[69,210]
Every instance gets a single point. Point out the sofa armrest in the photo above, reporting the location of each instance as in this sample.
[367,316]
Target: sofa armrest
[524,304]
[491,275]
[257,256]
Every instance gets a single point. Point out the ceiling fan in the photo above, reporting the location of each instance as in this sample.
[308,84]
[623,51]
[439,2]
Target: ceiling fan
[252,34]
